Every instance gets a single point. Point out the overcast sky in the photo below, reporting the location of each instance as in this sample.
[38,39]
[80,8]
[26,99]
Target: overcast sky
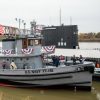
[84,13]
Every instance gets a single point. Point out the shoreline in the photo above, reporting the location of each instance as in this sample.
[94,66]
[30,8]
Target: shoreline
[88,40]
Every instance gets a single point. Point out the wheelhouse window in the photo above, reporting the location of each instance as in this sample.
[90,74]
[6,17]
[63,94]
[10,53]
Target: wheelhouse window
[37,42]
[33,42]
[30,42]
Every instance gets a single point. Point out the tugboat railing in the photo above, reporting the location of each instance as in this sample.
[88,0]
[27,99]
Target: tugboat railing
[15,52]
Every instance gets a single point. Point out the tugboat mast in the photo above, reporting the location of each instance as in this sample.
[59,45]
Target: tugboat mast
[33,27]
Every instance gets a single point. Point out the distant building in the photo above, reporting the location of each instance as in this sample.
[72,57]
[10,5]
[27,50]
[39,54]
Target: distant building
[61,36]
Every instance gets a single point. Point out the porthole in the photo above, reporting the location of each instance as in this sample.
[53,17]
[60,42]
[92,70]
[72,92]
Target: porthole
[12,60]
[7,59]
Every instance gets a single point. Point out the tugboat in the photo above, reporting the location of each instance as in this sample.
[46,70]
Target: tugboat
[22,65]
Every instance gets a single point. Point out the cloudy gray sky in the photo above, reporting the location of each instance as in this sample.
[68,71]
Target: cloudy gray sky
[84,13]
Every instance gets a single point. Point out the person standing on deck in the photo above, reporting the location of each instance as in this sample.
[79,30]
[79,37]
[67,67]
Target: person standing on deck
[54,59]
[13,65]
[57,61]
[74,59]
[4,64]
[81,59]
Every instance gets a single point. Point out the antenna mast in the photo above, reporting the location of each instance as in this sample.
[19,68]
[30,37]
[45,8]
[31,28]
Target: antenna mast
[33,27]
[70,20]
[60,16]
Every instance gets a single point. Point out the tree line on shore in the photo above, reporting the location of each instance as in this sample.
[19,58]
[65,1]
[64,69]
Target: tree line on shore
[89,37]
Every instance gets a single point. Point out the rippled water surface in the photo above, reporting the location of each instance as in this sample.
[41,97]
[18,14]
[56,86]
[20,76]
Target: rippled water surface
[89,45]
[9,93]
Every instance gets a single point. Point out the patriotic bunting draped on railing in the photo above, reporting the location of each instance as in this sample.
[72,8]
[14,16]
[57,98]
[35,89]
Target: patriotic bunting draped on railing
[11,51]
[27,51]
[48,49]
[7,52]
[45,49]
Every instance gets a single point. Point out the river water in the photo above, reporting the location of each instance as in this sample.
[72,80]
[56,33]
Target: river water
[10,93]
[89,45]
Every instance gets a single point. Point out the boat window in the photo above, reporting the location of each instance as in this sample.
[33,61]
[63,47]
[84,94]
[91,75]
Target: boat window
[36,42]
[39,41]
[30,42]
[33,42]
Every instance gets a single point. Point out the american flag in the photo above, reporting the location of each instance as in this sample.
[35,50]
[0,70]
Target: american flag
[1,30]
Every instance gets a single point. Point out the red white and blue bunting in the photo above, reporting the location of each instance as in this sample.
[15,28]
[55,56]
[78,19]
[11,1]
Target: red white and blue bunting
[7,52]
[27,51]
[45,49]
[11,51]
[48,49]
